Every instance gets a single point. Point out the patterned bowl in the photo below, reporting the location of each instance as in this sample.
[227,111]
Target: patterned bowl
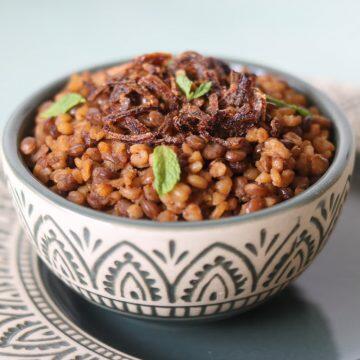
[205,269]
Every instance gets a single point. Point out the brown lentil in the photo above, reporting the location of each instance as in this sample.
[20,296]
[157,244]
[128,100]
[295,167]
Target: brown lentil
[155,119]
[219,210]
[195,142]
[28,145]
[197,181]
[135,211]
[234,156]
[224,185]
[195,167]
[217,169]
[253,205]
[150,208]
[166,216]
[255,190]
[181,192]
[121,207]
[213,151]
[192,213]
[150,193]
[76,197]
[319,164]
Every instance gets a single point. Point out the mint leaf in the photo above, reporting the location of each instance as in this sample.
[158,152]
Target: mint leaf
[63,105]
[279,103]
[185,84]
[202,89]
[166,169]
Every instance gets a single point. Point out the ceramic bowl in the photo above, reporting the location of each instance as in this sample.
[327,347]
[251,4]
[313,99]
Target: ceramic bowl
[178,270]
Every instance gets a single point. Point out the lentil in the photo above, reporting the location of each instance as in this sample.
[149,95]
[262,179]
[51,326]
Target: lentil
[28,145]
[192,213]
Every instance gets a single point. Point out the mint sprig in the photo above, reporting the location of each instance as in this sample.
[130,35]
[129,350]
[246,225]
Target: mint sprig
[166,168]
[63,105]
[279,103]
[185,84]
[202,90]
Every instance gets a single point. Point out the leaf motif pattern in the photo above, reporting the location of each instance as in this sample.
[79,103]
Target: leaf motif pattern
[217,279]
[31,326]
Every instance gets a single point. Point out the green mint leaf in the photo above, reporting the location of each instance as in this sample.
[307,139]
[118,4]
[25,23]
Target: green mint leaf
[185,84]
[202,89]
[166,169]
[63,105]
[300,110]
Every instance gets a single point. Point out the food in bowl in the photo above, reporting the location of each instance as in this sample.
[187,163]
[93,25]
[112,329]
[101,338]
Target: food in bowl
[174,138]
[178,270]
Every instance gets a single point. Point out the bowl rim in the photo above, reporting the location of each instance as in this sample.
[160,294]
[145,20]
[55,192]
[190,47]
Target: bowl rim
[343,135]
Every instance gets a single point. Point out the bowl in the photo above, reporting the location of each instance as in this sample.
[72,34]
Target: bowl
[204,269]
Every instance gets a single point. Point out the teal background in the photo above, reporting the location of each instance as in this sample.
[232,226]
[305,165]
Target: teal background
[41,40]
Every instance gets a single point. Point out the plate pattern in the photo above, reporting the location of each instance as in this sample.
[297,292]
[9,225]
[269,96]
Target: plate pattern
[126,278]
[31,326]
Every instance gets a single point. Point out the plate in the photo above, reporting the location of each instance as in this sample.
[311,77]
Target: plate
[32,325]
[317,318]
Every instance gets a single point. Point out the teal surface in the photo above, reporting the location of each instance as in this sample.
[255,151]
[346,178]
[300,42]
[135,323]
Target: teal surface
[41,40]
[318,318]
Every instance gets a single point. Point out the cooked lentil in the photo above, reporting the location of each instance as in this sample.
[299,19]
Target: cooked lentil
[238,154]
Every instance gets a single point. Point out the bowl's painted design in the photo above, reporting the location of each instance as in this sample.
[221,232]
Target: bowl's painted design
[32,325]
[168,279]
